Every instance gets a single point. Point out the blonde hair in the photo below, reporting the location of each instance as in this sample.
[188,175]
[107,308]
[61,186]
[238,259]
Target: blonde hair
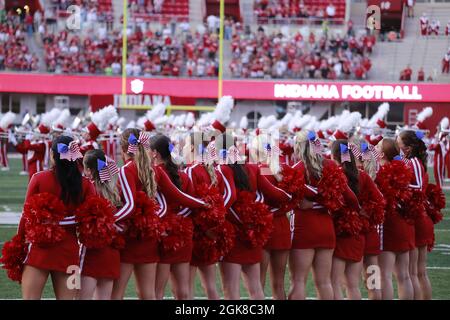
[107,189]
[145,171]
[199,138]
[258,152]
[311,160]
[370,166]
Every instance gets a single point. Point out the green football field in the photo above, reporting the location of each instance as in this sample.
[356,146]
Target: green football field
[12,193]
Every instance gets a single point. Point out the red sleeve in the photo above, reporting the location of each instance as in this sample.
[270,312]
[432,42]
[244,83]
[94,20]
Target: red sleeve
[369,186]
[128,186]
[33,188]
[270,191]
[229,195]
[172,193]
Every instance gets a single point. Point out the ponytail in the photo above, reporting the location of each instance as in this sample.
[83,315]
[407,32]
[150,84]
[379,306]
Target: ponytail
[350,168]
[145,171]
[161,144]
[418,147]
[67,174]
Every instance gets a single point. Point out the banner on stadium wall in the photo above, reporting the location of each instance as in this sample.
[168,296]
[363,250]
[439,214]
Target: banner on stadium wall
[239,89]
[98,101]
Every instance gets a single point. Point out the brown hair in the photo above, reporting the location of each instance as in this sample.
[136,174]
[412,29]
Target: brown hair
[418,147]
[350,168]
[390,148]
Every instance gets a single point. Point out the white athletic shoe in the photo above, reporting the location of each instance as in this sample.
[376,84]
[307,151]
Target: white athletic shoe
[5,169]
[23,173]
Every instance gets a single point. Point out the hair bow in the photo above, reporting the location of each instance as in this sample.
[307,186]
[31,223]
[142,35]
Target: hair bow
[133,142]
[402,159]
[272,150]
[314,143]
[69,152]
[171,147]
[374,152]
[107,169]
[345,154]
[356,151]
[211,153]
[365,151]
[420,134]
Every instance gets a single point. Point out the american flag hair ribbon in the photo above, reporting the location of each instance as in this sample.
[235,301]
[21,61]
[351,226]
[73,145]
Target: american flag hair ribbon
[133,142]
[107,169]
[272,150]
[402,159]
[374,152]
[366,154]
[345,153]
[211,153]
[356,151]
[314,143]
[69,152]
[233,155]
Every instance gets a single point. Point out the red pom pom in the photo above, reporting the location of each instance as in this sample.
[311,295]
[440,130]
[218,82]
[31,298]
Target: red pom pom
[215,243]
[178,231]
[293,182]
[205,219]
[144,223]
[14,253]
[435,196]
[42,213]
[95,219]
[348,222]
[414,207]
[330,187]
[255,225]
[373,209]
[393,182]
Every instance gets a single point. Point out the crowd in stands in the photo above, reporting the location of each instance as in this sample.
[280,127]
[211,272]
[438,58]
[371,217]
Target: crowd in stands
[295,9]
[149,53]
[432,27]
[14,52]
[277,55]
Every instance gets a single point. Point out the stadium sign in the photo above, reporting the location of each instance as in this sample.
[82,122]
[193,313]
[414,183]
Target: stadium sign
[347,92]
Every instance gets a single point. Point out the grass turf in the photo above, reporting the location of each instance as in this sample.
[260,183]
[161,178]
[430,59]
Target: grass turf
[12,194]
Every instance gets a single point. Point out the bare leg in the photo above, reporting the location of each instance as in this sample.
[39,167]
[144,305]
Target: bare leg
[231,275]
[180,276]
[62,291]
[88,285]
[104,289]
[120,285]
[323,259]
[252,280]
[192,274]
[33,282]
[387,264]
[278,262]
[424,281]
[162,277]
[300,262]
[338,277]
[145,280]
[352,277]
[373,294]
[401,271]
[413,264]
[264,266]
[208,278]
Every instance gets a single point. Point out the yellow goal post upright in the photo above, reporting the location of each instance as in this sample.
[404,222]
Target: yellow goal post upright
[125,106]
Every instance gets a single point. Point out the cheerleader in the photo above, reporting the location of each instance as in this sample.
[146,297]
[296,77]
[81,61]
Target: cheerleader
[397,235]
[201,175]
[140,254]
[313,236]
[100,266]
[366,162]
[174,262]
[414,149]
[63,181]
[276,250]
[349,251]
[243,198]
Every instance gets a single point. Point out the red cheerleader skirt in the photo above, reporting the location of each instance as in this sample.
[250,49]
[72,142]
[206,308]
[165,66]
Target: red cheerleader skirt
[180,255]
[55,257]
[372,241]
[397,234]
[424,229]
[313,228]
[244,254]
[281,234]
[101,263]
[139,251]
[350,247]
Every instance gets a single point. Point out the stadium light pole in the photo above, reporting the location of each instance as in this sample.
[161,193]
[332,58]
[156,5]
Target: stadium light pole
[124,54]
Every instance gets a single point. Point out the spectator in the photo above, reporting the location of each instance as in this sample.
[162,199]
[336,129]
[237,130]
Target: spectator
[446,63]
[405,74]
[158,4]
[447,28]
[421,75]
[424,24]
[331,11]
[434,27]
[410,4]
